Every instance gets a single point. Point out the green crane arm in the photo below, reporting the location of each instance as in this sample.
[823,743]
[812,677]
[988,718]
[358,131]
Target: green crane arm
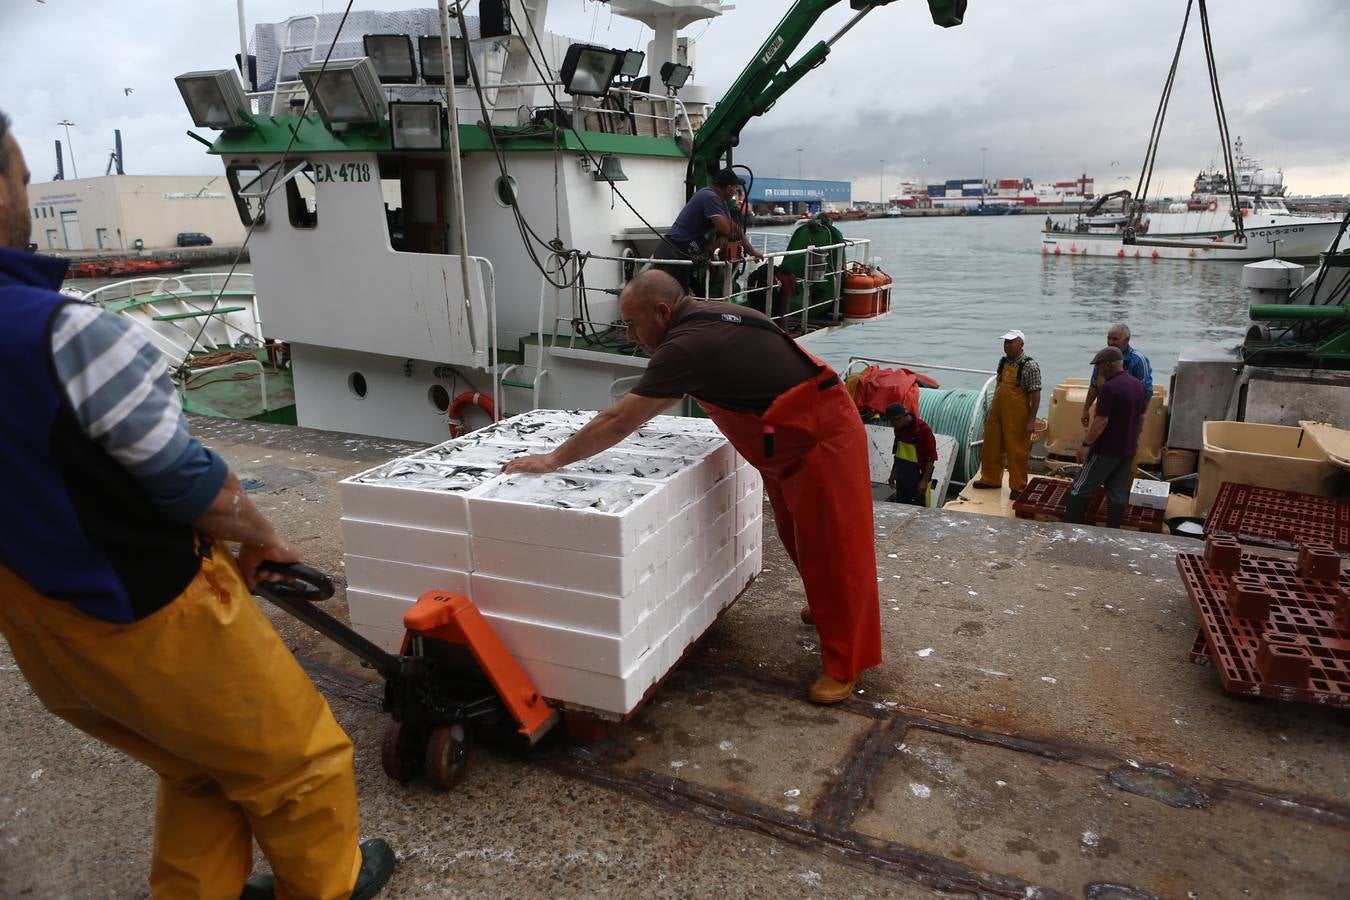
[768,77]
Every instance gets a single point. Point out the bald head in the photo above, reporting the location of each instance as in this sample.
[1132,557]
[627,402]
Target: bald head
[647,304]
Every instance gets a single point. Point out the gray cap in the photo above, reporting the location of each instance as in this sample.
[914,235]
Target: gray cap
[1107,355]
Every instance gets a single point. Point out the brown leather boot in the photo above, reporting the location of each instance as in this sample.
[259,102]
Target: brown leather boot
[807,618]
[827,690]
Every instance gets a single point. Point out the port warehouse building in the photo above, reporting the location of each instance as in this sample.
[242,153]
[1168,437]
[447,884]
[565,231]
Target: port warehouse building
[112,212]
[797,195]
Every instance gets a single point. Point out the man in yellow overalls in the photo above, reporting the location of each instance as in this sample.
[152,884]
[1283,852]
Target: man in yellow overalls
[130,617]
[1012,418]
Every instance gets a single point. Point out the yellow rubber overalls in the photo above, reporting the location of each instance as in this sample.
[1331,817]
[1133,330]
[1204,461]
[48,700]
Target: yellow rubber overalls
[205,693]
[1006,441]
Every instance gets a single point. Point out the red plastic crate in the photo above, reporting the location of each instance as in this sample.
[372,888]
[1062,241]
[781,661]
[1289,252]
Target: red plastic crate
[1269,517]
[1049,498]
[1302,612]
[1199,652]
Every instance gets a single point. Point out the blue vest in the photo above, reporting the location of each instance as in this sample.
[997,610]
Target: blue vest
[75,525]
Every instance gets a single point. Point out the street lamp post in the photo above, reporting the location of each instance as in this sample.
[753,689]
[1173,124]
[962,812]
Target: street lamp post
[74,168]
[799,162]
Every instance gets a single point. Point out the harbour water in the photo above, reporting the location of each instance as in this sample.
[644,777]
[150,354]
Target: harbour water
[961,282]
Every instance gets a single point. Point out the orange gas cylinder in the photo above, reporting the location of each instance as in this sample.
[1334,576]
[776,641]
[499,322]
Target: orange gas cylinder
[883,290]
[860,294]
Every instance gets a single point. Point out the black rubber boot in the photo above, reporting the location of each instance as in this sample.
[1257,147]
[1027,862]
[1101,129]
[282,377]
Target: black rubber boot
[1075,510]
[1115,514]
[377,864]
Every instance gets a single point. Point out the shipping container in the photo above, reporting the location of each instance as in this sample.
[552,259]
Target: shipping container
[972,192]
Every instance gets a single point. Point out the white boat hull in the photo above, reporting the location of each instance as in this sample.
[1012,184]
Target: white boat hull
[1284,236]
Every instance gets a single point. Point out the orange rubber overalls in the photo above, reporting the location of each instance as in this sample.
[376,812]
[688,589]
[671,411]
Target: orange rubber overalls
[811,448]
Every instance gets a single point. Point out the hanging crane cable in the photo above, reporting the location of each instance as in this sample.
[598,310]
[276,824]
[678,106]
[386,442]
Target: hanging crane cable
[1139,206]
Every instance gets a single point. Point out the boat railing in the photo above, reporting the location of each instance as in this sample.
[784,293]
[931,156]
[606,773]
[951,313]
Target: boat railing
[973,441]
[195,283]
[826,263]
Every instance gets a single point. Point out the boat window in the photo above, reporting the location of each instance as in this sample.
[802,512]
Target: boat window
[302,199]
[415,204]
[250,208]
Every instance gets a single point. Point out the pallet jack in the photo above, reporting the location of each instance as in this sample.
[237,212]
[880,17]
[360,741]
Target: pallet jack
[452,677]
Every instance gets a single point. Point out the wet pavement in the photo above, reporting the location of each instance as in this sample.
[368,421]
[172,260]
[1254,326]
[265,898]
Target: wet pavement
[1035,730]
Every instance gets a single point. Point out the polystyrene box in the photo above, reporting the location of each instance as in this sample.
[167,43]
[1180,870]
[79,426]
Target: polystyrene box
[608,654]
[570,608]
[683,479]
[375,610]
[749,539]
[403,580]
[421,494]
[749,567]
[405,543]
[681,425]
[716,535]
[582,688]
[473,451]
[748,479]
[610,517]
[749,508]
[573,569]
[1150,493]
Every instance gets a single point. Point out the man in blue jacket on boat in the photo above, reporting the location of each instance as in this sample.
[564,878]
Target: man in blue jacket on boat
[703,222]
[130,617]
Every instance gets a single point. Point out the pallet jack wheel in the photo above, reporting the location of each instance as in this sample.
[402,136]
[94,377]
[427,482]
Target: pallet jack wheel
[447,756]
[402,751]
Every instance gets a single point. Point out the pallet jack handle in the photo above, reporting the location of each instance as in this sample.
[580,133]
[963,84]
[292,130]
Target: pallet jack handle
[297,596]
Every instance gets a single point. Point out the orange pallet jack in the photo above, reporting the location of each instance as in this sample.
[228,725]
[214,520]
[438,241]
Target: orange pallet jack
[452,677]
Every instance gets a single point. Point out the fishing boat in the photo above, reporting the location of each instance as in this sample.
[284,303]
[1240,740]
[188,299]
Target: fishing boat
[441,219]
[1202,227]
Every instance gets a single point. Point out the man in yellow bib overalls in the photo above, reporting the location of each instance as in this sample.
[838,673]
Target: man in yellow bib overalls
[1012,418]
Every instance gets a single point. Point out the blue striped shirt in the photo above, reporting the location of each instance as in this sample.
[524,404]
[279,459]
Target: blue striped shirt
[117,384]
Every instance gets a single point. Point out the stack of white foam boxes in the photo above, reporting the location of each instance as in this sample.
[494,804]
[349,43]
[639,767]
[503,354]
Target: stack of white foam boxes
[597,577]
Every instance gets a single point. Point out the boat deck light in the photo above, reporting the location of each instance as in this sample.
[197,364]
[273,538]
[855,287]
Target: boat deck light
[632,64]
[347,92]
[215,99]
[392,56]
[588,70]
[429,49]
[674,75]
[416,126]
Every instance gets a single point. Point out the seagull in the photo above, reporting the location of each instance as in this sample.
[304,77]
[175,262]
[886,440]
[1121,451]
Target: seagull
[127,92]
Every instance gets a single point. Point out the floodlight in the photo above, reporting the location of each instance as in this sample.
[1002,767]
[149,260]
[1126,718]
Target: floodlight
[214,99]
[429,48]
[632,63]
[416,126]
[674,75]
[346,92]
[392,56]
[588,70]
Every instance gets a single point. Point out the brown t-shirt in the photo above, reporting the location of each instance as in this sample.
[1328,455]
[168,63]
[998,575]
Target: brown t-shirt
[738,367]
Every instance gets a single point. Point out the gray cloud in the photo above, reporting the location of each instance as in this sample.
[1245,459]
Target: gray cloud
[1052,88]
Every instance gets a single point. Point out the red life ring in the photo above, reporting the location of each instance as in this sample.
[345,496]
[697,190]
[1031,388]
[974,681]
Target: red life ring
[1213,205]
[468,398]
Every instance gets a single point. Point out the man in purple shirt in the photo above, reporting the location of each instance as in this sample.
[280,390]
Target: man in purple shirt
[1111,439]
[704,221]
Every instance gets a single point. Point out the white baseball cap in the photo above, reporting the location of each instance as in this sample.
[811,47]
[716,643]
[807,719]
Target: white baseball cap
[1014,335]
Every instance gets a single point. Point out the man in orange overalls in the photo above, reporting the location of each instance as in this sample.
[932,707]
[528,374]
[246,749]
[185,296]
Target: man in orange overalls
[1012,418]
[788,414]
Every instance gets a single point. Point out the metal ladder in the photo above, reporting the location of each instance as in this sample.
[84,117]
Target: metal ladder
[284,91]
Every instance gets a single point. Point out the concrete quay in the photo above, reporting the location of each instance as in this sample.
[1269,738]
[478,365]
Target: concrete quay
[1034,731]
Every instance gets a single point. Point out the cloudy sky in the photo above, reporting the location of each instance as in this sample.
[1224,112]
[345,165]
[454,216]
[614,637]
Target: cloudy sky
[1039,88]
